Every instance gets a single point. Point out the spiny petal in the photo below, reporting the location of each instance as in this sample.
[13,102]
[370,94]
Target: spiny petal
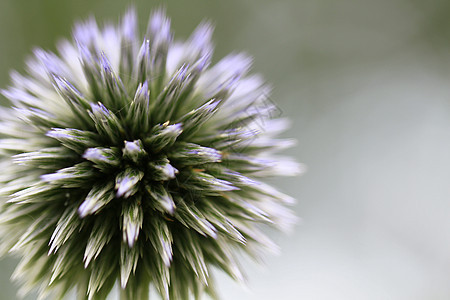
[160,239]
[189,154]
[163,136]
[107,123]
[132,218]
[134,151]
[163,200]
[162,170]
[99,196]
[98,238]
[103,158]
[67,225]
[127,182]
[129,257]
[71,177]
[47,158]
[75,139]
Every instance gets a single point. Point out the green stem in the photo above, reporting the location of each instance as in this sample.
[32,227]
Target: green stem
[142,294]
[82,288]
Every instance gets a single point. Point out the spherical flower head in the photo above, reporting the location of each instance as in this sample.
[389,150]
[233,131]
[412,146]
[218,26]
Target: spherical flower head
[132,159]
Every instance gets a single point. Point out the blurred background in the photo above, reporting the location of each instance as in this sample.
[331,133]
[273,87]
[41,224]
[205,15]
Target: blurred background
[366,84]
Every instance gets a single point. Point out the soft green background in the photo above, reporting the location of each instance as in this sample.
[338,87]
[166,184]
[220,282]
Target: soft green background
[366,84]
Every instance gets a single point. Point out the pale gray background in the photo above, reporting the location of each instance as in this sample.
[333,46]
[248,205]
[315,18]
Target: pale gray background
[366,84]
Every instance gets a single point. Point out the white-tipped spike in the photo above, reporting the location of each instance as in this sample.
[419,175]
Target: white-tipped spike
[126,182]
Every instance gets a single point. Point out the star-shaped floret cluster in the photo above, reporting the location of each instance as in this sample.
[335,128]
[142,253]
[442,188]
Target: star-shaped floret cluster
[135,160]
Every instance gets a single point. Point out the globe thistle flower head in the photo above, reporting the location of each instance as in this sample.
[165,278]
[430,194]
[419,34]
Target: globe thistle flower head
[133,159]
